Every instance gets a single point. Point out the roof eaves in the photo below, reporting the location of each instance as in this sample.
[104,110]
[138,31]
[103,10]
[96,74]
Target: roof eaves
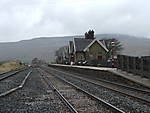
[89,45]
[69,46]
[74,45]
[98,42]
[102,45]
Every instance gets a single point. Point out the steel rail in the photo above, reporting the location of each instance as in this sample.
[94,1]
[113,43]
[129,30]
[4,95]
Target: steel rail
[5,72]
[10,71]
[16,72]
[16,88]
[68,104]
[125,86]
[117,84]
[108,105]
[98,84]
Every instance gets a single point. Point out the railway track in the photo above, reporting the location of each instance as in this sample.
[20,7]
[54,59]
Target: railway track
[11,86]
[125,86]
[34,97]
[5,72]
[8,74]
[69,93]
[47,81]
[142,89]
[136,93]
[120,100]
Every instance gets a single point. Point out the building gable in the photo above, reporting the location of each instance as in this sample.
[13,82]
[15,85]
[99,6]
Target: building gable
[93,42]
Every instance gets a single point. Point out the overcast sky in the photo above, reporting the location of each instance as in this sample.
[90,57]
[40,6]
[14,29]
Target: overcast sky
[25,19]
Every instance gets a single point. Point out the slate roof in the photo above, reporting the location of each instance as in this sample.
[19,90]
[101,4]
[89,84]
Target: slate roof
[81,43]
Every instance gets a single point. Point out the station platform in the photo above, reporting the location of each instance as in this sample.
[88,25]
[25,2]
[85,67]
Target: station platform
[135,78]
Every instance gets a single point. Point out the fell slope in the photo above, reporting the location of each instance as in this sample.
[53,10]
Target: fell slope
[45,47]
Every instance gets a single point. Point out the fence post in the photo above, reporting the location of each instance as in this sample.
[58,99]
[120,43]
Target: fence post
[121,62]
[123,57]
[149,70]
[127,63]
[141,65]
[134,66]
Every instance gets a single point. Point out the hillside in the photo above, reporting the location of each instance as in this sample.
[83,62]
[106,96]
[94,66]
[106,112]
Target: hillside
[134,46]
[26,50]
[45,47]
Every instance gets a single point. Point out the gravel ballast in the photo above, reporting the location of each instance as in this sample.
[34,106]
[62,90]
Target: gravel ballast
[123,102]
[34,97]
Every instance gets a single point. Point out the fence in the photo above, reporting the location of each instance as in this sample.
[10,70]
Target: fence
[136,65]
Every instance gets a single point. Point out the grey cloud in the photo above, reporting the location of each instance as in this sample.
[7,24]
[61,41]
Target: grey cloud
[23,19]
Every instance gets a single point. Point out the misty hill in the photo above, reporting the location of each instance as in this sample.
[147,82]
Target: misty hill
[45,47]
[134,46]
[26,50]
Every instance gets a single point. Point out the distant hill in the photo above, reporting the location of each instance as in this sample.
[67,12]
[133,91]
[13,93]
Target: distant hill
[134,46]
[45,47]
